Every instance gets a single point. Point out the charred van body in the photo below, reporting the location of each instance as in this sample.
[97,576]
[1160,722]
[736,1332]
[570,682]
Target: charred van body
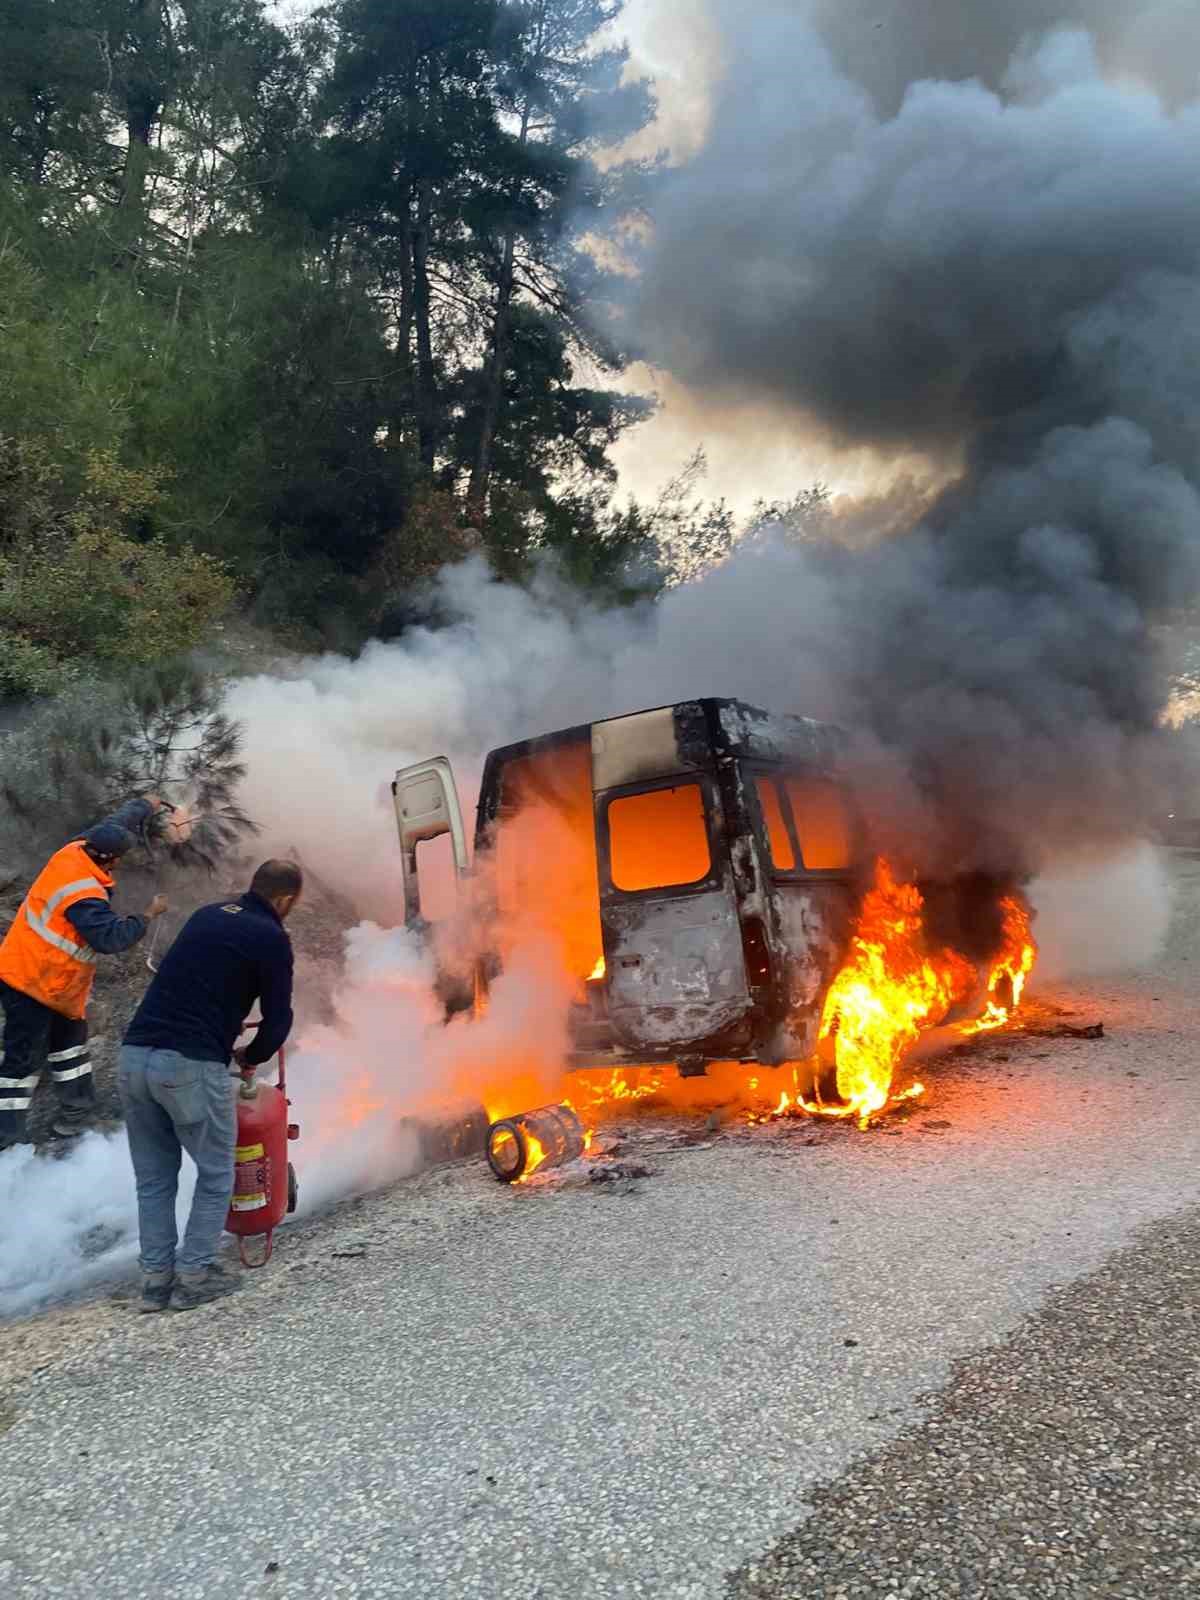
[699,865]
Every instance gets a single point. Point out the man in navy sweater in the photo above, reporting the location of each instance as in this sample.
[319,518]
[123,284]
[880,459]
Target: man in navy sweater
[175,1082]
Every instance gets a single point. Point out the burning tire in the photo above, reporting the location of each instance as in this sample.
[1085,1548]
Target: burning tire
[825,1080]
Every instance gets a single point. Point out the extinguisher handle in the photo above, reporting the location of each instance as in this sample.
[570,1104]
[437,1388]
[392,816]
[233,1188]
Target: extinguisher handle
[257,1023]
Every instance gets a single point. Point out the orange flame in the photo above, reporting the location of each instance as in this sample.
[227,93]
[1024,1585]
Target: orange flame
[887,994]
[1011,969]
[534,1156]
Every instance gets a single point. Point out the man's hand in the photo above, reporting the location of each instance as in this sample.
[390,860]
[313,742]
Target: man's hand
[153,801]
[156,907]
[239,1059]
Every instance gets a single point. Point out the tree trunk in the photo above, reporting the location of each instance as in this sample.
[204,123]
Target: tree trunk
[404,331]
[144,100]
[422,310]
[493,384]
[142,114]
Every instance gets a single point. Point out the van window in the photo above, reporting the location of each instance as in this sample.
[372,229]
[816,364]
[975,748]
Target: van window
[658,840]
[822,820]
[783,857]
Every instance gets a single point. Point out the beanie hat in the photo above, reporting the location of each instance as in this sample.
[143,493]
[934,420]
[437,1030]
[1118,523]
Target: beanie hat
[109,839]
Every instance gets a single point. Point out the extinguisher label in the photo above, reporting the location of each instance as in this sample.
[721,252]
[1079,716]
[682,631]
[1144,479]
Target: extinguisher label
[250,1177]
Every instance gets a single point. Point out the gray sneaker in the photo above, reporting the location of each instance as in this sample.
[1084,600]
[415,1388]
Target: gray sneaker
[194,1289]
[156,1290]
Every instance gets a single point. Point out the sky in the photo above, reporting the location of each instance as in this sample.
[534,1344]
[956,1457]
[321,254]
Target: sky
[761,456]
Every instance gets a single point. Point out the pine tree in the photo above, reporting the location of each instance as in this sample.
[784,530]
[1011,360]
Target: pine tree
[161,730]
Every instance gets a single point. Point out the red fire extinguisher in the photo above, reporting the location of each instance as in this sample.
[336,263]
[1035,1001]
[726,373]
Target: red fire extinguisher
[264,1182]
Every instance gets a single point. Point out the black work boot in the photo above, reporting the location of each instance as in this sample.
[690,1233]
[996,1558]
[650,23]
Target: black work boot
[194,1289]
[156,1290]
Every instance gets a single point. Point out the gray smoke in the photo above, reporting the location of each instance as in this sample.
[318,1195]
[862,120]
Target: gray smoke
[888,44]
[1000,274]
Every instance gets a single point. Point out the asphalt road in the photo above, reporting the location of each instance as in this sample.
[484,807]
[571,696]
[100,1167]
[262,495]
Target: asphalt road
[452,1389]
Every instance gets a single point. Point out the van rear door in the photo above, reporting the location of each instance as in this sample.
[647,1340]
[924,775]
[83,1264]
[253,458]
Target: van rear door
[674,958]
[427,807]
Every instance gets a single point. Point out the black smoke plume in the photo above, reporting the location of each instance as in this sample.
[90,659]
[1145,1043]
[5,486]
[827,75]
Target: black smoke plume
[934,229]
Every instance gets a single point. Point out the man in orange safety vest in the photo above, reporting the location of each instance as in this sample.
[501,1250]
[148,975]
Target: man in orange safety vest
[47,963]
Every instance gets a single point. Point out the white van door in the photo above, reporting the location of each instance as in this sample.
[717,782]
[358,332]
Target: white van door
[427,806]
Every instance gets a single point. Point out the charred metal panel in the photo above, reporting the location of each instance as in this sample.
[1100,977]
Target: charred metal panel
[676,970]
[739,964]
[812,925]
[650,745]
[795,931]
[676,975]
[777,739]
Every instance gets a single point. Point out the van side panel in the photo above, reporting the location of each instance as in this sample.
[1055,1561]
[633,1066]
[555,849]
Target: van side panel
[797,928]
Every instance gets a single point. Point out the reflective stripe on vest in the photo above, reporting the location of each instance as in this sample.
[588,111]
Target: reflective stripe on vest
[42,955]
[41,925]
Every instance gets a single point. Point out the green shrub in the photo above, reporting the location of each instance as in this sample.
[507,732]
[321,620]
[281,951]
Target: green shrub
[78,589]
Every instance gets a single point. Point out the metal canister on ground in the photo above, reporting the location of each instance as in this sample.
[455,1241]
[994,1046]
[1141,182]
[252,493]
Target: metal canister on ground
[534,1141]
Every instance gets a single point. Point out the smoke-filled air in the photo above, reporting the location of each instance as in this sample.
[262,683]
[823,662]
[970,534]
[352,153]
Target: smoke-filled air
[990,267]
[956,239]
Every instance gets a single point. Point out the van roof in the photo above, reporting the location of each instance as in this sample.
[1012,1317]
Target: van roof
[734,726]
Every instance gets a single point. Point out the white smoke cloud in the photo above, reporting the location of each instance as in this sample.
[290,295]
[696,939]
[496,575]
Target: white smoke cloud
[324,745]
[65,1224]
[1102,917]
[359,1086]
[321,748]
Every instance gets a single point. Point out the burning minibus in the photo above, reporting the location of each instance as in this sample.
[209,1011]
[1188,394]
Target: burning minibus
[703,873]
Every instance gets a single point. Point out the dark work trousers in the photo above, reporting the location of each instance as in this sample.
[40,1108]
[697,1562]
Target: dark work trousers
[36,1037]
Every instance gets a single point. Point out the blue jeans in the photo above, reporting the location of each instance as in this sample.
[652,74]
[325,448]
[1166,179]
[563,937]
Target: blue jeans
[172,1104]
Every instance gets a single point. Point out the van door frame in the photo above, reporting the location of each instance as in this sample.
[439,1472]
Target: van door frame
[433,810]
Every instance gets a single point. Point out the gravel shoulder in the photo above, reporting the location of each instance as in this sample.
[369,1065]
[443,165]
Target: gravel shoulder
[1064,1462]
[449,1389]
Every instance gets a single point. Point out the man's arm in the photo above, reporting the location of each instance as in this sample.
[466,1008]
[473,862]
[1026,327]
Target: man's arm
[275,999]
[98,925]
[134,813]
